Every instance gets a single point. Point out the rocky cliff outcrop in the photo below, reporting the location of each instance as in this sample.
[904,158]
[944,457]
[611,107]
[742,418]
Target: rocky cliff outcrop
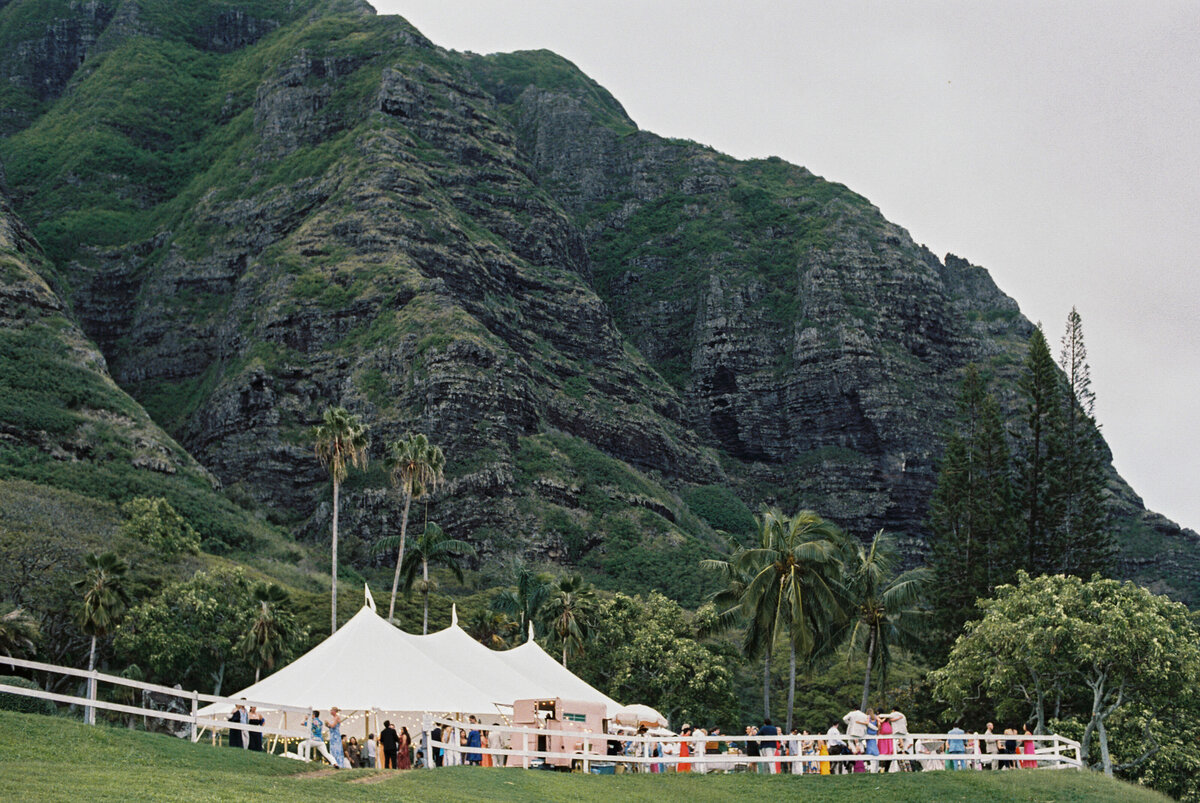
[65,424]
[599,326]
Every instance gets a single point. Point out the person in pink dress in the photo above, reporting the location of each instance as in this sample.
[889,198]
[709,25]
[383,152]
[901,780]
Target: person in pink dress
[885,745]
[1030,749]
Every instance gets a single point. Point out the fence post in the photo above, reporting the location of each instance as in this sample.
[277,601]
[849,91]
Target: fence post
[193,735]
[91,685]
[426,728]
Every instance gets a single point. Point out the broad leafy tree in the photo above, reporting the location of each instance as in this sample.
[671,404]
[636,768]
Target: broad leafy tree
[434,547]
[155,523]
[1098,652]
[190,632]
[415,468]
[341,442]
[644,648]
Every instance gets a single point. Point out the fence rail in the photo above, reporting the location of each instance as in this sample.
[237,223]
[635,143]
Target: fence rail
[1056,752]
[1052,751]
[192,699]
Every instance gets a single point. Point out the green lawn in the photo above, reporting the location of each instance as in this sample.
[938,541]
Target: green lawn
[53,758]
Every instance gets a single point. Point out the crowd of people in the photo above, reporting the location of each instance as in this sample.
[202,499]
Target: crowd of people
[879,742]
[390,749]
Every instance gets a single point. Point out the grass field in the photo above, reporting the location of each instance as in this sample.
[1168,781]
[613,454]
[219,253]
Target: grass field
[53,758]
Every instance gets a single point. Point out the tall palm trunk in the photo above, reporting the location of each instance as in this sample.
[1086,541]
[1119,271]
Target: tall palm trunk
[425,594]
[89,713]
[400,554]
[257,673]
[791,687]
[767,685]
[564,655]
[867,674]
[333,612]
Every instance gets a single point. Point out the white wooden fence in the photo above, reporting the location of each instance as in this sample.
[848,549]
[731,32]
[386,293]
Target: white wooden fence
[192,700]
[637,752]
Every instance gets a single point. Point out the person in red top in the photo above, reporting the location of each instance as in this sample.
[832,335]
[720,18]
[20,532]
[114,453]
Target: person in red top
[684,750]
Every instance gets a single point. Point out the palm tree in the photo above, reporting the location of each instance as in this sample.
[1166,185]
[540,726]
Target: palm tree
[526,598]
[104,600]
[728,600]
[18,631]
[433,546]
[567,612]
[264,642]
[415,466]
[341,441]
[795,588]
[886,610]
[491,629]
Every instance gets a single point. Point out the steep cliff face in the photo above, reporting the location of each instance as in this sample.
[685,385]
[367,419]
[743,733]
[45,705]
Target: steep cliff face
[811,341]
[261,210]
[65,424]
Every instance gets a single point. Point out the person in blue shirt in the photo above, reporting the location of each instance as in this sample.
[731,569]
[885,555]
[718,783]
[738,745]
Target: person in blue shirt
[768,746]
[957,746]
[316,737]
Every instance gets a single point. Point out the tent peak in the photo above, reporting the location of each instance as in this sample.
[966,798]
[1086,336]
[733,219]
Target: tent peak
[453,614]
[530,631]
[368,600]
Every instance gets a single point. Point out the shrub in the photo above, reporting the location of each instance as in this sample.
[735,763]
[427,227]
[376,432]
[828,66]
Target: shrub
[21,703]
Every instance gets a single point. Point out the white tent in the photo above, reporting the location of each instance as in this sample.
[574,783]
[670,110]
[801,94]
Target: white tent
[455,650]
[530,660]
[370,665]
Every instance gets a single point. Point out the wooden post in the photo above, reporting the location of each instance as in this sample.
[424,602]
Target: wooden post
[193,735]
[426,729]
[90,714]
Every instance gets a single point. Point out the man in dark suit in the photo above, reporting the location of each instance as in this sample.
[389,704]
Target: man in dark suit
[391,745]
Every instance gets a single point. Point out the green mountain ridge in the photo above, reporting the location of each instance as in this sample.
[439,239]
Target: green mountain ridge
[623,342]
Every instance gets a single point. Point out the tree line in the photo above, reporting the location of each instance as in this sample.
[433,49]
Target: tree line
[1027,496]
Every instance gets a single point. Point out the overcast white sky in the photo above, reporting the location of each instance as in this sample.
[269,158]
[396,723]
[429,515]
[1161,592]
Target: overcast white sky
[1056,144]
